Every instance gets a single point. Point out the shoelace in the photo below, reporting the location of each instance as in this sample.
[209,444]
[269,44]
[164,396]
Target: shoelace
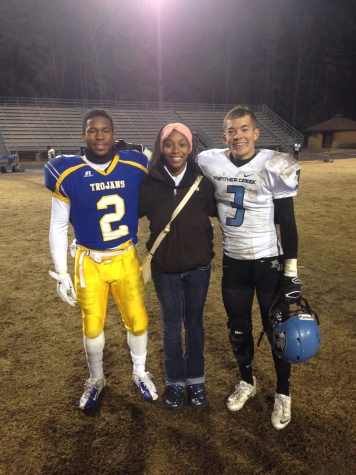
[240,389]
[281,405]
[175,390]
[198,390]
[88,387]
[147,380]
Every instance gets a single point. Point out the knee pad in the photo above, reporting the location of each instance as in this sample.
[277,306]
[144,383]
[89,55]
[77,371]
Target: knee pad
[137,326]
[92,327]
[241,341]
[138,331]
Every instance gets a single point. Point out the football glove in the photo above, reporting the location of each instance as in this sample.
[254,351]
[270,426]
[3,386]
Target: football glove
[65,287]
[290,289]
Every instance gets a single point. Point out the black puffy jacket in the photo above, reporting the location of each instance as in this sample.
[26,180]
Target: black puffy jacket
[189,244]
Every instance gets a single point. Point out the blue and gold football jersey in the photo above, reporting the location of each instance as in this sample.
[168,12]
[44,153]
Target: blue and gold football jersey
[103,202]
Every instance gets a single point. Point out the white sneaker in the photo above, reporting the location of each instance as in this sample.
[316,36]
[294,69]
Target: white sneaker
[243,392]
[281,415]
[144,383]
[92,389]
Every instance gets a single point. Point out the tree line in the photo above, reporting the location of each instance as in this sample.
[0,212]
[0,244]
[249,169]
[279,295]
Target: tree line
[296,56]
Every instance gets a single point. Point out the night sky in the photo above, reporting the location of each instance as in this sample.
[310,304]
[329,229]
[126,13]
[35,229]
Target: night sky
[296,56]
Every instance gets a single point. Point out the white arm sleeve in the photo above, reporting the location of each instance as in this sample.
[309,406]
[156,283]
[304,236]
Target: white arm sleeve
[58,234]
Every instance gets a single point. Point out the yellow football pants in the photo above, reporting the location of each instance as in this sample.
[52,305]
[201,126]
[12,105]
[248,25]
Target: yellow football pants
[122,276]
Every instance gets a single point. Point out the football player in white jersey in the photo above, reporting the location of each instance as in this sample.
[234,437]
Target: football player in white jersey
[254,190]
[98,194]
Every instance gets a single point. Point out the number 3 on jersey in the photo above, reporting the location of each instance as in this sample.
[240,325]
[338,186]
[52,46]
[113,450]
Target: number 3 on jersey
[239,192]
[105,223]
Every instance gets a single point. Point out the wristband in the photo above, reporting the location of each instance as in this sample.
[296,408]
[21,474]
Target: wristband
[290,268]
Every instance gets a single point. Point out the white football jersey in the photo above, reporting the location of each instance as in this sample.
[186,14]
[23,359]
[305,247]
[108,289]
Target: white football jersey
[245,197]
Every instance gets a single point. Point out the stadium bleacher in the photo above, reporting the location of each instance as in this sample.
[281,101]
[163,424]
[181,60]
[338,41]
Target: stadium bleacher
[29,126]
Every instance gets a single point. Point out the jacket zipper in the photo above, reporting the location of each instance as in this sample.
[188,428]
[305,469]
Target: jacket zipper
[175,206]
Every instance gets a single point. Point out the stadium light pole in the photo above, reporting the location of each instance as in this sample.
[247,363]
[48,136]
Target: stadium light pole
[159,54]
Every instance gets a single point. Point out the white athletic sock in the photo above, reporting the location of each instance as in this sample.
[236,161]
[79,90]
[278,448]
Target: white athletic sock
[138,348]
[94,349]
[139,363]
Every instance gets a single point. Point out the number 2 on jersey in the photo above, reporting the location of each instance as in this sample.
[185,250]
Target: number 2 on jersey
[105,223]
[239,192]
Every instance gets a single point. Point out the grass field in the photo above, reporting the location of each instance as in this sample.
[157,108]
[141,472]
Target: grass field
[43,369]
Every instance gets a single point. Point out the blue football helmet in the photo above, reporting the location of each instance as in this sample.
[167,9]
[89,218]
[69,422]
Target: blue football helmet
[293,334]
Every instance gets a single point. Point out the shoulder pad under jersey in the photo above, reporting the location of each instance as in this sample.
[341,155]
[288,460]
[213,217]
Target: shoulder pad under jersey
[63,162]
[133,156]
[281,163]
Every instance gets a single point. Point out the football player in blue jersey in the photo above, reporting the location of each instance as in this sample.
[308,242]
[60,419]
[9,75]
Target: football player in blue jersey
[98,194]
[254,190]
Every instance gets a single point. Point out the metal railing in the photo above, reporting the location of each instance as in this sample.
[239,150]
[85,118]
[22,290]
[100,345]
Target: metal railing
[282,123]
[3,148]
[88,104]
[206,140]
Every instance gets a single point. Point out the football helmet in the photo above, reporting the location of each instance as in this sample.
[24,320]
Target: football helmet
[123,145]
[293,334]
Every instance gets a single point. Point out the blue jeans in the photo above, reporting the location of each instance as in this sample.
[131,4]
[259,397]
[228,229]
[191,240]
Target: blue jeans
[182,299]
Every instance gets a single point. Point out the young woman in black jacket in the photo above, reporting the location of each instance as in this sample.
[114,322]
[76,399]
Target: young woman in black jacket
[181,264]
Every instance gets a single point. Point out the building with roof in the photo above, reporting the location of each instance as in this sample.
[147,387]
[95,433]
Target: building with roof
[335,133]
